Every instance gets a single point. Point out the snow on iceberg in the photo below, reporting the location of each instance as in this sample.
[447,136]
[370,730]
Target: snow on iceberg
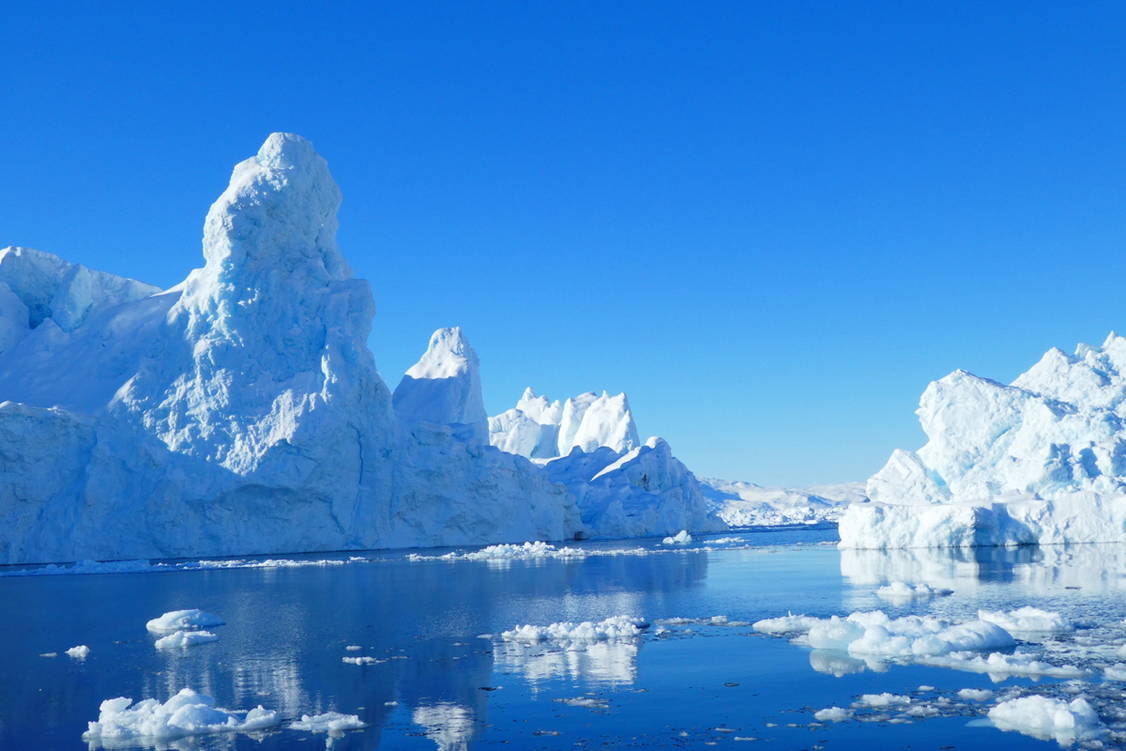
[183,620]
[539,429]
[1042,460]
[745,504]
[122,723]
[1049,719]
[241,412]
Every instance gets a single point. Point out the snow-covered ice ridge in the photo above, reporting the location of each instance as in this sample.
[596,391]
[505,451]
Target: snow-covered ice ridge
[241,412]
[1042,460]
[745,504]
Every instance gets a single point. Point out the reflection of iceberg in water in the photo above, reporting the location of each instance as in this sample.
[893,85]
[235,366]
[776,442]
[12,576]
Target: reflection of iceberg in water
[451,726]
[1093,567]
[275,680]
[612,662]
[838,664]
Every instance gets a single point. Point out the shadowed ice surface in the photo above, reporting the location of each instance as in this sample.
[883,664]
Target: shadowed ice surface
[443,677]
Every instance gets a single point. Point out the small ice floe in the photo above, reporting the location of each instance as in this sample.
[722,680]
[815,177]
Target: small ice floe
[590,702]
[615,627]
[183,620]
[183,639]
[364,660]
[874,634]
[832,714]
[680,538]
[975,694]
[924,687]
[48,654]
[333,723]
[353,648]
[901,593]
[188,713]
[1028,620]
[1116,672]
[80,652]
[1049,719]
[882,700]
[999,665]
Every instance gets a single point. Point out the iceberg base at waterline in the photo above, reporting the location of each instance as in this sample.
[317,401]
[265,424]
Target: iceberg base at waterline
[1083,517]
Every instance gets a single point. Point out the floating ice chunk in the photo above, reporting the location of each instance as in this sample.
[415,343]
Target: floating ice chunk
[901,592]
[1000,666]
[183,620]
[832,714]
[353,648]
[363,660]
[1027,620]
[925,687]
[975,694]
[81,652]
[680,538]
[715,620]
[48,654]
[1049,719]
[1116,672]
[882,700]
[333,723]
[185,714]
[786,624]
[615,627]
[179,639]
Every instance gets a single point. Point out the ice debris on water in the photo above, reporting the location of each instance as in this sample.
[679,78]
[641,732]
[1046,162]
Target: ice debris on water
[1049,719]
[333,723]
[183,620]
[614,627]
[680,538]
[80,652]
[186,714]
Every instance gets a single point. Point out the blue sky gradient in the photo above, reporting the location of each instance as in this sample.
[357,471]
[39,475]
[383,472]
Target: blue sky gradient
[770,223]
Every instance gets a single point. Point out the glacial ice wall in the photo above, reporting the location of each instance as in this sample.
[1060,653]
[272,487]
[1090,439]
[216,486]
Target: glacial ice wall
[1040,460]
[241,411]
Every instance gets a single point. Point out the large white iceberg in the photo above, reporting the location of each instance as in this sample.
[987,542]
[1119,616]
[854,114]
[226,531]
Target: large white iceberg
[1042,460]
[241,411]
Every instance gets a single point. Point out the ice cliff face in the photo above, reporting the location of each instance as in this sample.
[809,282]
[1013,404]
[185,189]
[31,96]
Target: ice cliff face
[540,429]
[241,411]
[1040,460]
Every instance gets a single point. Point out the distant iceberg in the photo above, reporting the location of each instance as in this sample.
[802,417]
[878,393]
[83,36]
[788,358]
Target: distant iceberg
[241,412]
[1042,460]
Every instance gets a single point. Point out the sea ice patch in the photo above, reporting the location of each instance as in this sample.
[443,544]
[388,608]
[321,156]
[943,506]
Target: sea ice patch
[183,620]
[186,714]
[80,652]
[182,639]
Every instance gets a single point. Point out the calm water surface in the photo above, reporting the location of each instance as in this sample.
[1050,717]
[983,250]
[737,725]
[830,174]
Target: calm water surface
[684,686]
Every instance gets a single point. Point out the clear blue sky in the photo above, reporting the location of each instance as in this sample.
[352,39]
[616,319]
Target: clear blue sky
[770,223]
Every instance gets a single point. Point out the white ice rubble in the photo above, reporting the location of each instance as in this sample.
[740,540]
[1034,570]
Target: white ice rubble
[122,723]
[80,652]
[1049,719]
[183,620]
[241,411]
[614,627]
[1041,460]
[333,723]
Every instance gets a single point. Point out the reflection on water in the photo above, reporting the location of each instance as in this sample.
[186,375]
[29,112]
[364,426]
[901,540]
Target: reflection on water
[608,662]
[285,634]
[1094,568]
[450,726]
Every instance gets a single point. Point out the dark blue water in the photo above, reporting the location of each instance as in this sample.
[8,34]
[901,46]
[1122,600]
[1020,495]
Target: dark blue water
[287,628]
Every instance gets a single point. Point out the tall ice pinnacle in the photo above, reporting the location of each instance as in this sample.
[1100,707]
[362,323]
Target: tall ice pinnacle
[444,386]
